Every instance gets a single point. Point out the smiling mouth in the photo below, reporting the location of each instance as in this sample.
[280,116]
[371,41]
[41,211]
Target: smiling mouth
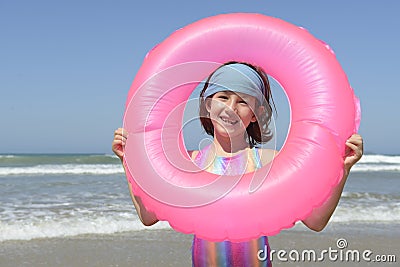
[228,121]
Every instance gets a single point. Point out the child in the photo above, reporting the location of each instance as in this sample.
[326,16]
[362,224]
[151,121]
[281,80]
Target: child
[236,108]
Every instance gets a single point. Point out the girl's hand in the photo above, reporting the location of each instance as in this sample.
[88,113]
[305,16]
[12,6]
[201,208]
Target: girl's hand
[354,151]
[118,143]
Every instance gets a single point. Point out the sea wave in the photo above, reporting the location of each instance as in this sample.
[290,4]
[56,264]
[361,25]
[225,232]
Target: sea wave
[378,163]
[370,196]
[32,228]
[59,169]
[103,169]
[372,214]
[375,159]
[7,156]
[375,168]
[49,219]
[72,227]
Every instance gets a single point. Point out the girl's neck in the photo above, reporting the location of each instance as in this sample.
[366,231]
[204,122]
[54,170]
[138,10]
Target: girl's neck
[229,146]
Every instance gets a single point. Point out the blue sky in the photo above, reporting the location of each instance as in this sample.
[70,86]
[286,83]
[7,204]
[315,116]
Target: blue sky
[66,66]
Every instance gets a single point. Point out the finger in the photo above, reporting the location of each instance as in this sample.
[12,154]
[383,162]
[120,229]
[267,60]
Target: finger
[352,146]
[121,131]
[356,151]
[120,137]
[118,151]
[355,145]
[116,147]
[118,143]
[357,139]
[118,131]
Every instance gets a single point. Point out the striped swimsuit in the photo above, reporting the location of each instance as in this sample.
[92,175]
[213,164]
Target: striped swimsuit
[244,254]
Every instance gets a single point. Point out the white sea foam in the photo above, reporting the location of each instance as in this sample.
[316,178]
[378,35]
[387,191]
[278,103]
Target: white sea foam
[362,213]
[376,163]
[7,156]
[375,159]
[368,207]
[375,168]
[72,227]
[368,163]
[111,156]
[369,196]
[50,169]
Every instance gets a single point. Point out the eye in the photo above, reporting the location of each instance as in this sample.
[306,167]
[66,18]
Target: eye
[222,97]
[243,102]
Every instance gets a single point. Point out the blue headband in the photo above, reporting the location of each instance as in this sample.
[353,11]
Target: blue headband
[238,78]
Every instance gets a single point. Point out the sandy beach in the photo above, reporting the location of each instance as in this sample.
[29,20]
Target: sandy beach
[169,248]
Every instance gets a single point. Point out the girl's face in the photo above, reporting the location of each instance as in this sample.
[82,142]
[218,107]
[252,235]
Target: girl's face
[231,112]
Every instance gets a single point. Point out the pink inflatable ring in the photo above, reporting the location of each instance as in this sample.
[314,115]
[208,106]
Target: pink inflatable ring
[324,113]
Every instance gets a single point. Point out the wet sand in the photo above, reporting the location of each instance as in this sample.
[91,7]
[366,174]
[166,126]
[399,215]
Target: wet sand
[169,248]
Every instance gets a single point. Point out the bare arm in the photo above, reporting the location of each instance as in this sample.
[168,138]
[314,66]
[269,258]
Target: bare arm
[320,216]
[148,218]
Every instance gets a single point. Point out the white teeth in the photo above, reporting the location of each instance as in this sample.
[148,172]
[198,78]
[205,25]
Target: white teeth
[228,121]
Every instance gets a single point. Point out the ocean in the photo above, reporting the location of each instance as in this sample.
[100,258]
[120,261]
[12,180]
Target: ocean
[44,196]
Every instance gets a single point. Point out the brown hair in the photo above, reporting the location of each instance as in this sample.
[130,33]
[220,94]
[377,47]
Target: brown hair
[258,132]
